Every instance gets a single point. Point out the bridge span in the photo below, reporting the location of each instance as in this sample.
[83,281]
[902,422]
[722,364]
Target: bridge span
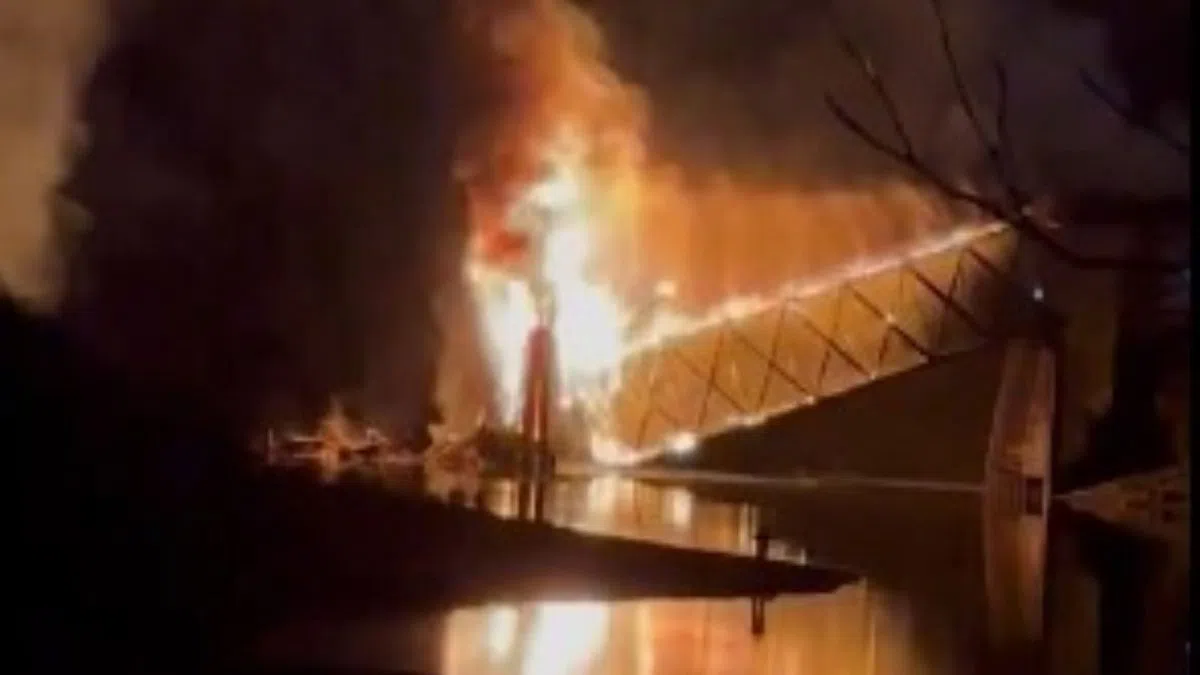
[811,343]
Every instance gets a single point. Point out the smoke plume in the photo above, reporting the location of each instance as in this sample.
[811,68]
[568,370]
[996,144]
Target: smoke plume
[46,47]
[267,182]
[668,207]
[739,87]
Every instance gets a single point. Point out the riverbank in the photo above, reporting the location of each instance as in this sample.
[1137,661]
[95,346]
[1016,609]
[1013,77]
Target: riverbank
[352,550]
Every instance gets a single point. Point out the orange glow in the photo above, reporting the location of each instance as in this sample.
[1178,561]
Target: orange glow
[545,177]
[565,637]
[673,636]
[501,632]
[575,225]
[588,321]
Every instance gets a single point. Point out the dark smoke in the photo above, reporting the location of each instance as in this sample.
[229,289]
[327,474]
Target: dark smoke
[267,183]
[739,86]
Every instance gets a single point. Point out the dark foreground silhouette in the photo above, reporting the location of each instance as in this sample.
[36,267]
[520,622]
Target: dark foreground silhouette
[147,542]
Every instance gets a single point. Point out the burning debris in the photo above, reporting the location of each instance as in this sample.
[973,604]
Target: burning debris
[340,445]
[337,441]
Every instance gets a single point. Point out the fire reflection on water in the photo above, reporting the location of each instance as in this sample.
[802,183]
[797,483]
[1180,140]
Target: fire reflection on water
[919,613]
[679,508]
[610,504]
[827,634]
[501,632]
[565,637]
[550,638]
[644,637]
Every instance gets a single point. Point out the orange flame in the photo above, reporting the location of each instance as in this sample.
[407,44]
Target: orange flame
[546,175]
[562,196]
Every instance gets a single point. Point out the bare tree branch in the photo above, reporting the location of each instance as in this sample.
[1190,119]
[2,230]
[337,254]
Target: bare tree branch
[1021,220]
[1004,134]
[880,89]
[993,145]
[1014,208]
[1104,96]
[960,85]
[910,160]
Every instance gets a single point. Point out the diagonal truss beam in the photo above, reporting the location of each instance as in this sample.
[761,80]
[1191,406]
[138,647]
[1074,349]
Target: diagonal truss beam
[767,344]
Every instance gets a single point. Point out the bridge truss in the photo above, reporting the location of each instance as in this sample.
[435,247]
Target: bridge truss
[826,340]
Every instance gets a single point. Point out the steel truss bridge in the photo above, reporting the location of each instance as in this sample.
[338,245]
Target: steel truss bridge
[812,343]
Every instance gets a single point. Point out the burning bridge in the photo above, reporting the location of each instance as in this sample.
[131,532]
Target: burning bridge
[767,356]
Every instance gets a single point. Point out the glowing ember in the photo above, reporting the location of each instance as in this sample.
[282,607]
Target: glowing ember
[682,443]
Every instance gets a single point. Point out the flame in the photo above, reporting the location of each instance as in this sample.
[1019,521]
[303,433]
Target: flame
[561,195]
[587,320]
[594,333]
[546,178]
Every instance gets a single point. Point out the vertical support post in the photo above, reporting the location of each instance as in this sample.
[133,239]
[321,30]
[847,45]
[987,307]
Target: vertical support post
[537,461]
[758,612]
[534,414]
[758,617]
[523,498]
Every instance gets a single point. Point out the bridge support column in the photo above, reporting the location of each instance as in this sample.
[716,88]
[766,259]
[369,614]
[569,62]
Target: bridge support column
[537,461]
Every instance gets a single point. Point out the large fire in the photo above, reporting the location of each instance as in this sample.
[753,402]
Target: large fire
[539,269]
[549,174]
[575,230]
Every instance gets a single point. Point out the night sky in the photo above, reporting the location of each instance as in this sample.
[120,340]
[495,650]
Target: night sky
[270,215]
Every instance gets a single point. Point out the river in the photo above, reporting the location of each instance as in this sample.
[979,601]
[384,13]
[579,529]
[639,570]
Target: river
[923,606]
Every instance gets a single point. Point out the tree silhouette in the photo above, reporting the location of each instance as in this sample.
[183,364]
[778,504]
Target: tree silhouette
[1014,204]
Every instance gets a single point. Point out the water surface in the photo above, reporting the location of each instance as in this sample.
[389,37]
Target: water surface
[922,607]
